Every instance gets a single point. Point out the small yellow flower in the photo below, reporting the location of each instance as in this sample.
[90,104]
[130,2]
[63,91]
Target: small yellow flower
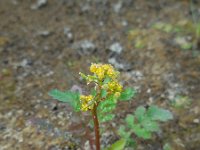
[107,67]
[117,94]
[114,86]
[103,70]
[93,68]
[100,73]
[86,102]
[109,70]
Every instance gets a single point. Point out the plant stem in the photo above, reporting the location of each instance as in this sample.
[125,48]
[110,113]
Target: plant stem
[96,127]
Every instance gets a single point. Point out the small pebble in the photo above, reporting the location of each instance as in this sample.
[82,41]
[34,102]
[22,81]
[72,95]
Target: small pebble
[116,47]
[39,4]
[196,121]
[84,47]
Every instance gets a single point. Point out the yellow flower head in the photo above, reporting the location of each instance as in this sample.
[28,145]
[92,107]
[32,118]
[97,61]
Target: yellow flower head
[114,86]
[103,70]
[86,102]
[94,67]
[117,94]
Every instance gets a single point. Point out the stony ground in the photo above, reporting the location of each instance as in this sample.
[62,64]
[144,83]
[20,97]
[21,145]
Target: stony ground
[45,43]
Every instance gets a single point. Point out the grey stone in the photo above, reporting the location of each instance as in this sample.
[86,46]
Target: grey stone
[39,4]
[117,7]
[115,63]
[67,33]
[84,47]
[116,47]
[44,33]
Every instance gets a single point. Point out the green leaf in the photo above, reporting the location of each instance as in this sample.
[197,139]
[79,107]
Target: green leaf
[141,132]
[131,142]
[83,76]
[130,120]
[105,109]
[144,122]
[106,80]
[103,93]
[167,147]
[156,113]
[105,118]
[126,135]
[118,145]
[150,125]
[127,94]
[122,132]
[72,98]
[140,113]
[91,78]
[106,103]
[93,92]
[111,98]
[108,109]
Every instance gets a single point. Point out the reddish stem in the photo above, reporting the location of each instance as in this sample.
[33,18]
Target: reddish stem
[96,127]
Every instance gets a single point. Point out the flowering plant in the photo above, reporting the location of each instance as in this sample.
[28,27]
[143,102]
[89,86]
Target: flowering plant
[103,100]
[106,85]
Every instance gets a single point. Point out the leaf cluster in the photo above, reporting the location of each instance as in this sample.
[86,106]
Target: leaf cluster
[107,106]
[72,98]
[143,123]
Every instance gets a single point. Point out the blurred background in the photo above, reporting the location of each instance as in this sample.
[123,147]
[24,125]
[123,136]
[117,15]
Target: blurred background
[44,44]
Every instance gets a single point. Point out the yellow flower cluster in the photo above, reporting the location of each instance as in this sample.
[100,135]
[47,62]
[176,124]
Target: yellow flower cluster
[86,102]
[106,70]
[103,70]
[115,87]
[112,86]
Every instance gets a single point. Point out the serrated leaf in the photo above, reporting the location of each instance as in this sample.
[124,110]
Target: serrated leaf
[106,118]
[108,109]
[127,94]
[141,132]
[106,103]
[140,113]
[111,98]
[103,93]
[105,108]
[126,135]
[72,98]
[109,104]
[106,80]
[122,132]
[131,142]
[130,120]
[156,113]
[118,145]
[150,125]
